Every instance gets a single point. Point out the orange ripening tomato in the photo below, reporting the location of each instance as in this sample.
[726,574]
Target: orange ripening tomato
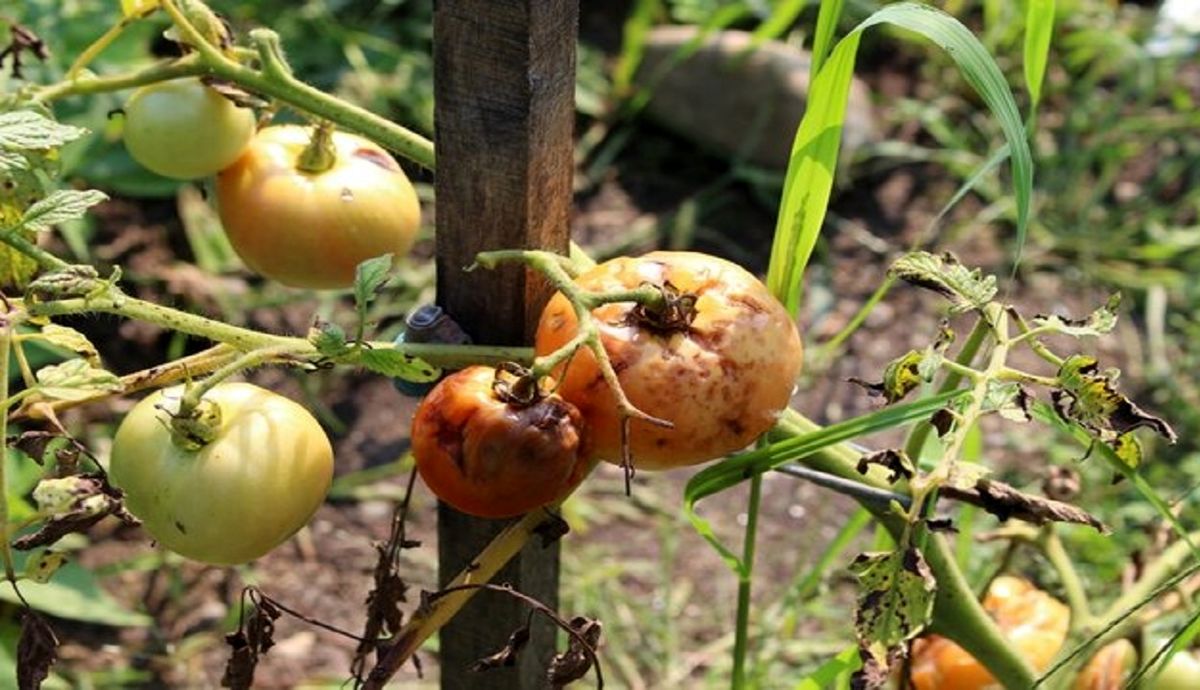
[312,229]
[1034,621]
[721,379]
[494,458]
[1109,669]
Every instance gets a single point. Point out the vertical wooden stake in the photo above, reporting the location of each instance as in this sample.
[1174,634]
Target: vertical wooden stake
[504,87]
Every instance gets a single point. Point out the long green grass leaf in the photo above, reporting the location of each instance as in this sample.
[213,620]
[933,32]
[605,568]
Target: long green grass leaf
[809,181]
[827,21]
[782,16]
[1039,27]
[739,468]
[633,43]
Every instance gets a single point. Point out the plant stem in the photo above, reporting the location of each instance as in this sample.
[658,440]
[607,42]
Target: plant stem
[970,348]
[255,358]
[186,66]
[5,544]
[245,339]
[1052,548]
[85,58]
[745,583]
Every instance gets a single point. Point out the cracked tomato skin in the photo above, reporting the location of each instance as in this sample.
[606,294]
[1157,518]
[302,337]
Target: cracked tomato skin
[254,486]
[1034,621]
[491,459]
[722,381]
[184,130]
[311,230]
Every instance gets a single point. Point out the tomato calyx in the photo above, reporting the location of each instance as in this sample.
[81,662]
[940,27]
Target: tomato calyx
[195,428]
[320,154]
[673,313]
[517,386]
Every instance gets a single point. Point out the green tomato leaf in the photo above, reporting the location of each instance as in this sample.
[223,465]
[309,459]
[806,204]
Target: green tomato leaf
[1010,400]
[1090,398]
[23,130]
[75,379]
[12,162]
[965,288]
[369,278]
[61,206]
[1101,321]
[329,339]
[895,603]
[71,339]
[394,364]
[902,375]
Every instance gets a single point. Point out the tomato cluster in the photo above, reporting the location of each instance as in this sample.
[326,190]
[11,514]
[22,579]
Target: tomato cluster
[718,361]
[303,227]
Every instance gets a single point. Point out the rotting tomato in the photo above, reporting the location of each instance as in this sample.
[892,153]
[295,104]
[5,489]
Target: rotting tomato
[721,375]
[184,130]
[312,229]
[1035,622]
[259,480]
[491,452]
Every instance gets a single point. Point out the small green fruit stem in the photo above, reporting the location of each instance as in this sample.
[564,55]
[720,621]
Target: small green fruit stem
[186,66]
[255,358]
[320,154]
[85,58]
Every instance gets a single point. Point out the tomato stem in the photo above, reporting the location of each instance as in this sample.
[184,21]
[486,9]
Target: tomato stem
[320,154]
[5,543]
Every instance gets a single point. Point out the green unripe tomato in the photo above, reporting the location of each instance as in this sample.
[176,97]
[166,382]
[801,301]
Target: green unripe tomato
[259,480]
[184,130]
[1182,673]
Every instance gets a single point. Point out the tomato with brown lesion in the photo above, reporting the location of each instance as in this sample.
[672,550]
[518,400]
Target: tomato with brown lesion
[720,371]
[491,452]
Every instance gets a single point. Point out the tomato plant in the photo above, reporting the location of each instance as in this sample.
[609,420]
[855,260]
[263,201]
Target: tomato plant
[232,497]
[184,130]
[719,360]
[492,450]
[311,227]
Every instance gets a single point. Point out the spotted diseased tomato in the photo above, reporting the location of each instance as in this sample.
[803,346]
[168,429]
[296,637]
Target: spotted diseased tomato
[312,229]
[184,130]
[262,473]
[1035,622]
[721,374]
[493,453]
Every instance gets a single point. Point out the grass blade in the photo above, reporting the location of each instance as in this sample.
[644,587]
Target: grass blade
[809,181]
[739,468]
[827,21]
[1039,27]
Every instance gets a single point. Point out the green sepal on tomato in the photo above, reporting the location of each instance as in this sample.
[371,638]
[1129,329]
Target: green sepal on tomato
[311,227]
[229,495]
